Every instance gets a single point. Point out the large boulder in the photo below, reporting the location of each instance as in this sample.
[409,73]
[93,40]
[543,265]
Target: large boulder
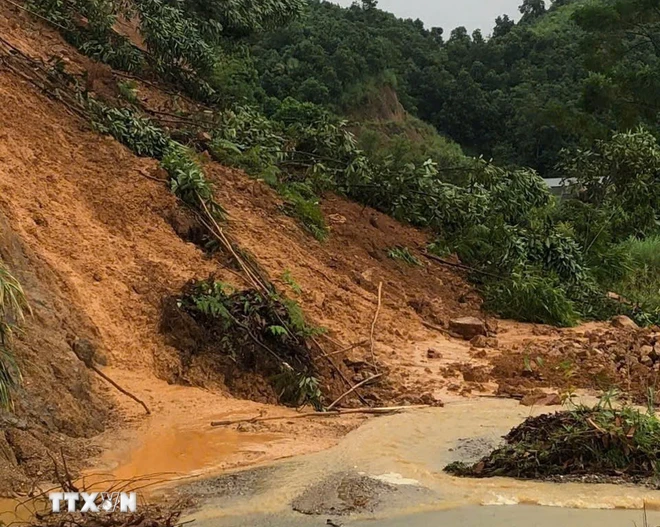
[468,327]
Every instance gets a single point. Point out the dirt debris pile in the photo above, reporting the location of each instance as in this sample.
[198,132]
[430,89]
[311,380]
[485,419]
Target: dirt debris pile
[597,359]
[591,444]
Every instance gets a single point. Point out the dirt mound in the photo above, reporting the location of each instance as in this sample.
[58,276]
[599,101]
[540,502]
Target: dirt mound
[343,494]
[599,358]
[617,444]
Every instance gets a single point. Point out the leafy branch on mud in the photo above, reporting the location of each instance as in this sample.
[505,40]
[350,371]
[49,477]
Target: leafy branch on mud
[617,443]
[258,332]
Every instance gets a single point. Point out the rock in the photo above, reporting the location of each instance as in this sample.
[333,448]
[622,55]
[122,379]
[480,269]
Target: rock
[337,219]
[492,342]
[492,325]
[646,360]
[433,354]
[624,322]
[84,350]
[480,341]
[468,327]
[646,350]
[204,137]
[431,399]
[541,399]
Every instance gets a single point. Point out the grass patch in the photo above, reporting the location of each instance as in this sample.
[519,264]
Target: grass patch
[641,285]
[128,91]
[13,305]
[302,204]
[603,441]
[289,280]
[403,254]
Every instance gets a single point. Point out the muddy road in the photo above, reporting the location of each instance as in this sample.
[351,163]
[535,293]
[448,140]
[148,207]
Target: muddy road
[389,472]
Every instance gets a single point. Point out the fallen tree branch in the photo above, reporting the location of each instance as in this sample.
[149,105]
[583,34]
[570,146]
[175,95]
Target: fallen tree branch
[347,393]
[373,326]
[334,413]
[88,360]
[336,368]
[125,392]
[346,349]
[463,267]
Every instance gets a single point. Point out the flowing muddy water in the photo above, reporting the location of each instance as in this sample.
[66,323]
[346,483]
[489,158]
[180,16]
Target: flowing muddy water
[388,472]
[394,466]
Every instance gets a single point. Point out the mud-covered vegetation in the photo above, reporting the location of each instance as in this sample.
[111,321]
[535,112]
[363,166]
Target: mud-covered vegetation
[607,442]
[249,331]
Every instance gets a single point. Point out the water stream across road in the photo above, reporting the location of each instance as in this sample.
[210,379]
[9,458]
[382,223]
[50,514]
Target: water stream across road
[390,472]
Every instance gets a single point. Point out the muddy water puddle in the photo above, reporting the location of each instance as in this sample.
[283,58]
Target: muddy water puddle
[165,454]
[160,455]
[407,454]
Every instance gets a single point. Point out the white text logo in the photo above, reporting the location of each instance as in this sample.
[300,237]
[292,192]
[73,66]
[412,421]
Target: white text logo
[93,501]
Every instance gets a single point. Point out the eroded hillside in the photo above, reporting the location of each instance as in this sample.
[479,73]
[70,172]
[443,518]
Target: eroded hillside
[93,237]
[101,246]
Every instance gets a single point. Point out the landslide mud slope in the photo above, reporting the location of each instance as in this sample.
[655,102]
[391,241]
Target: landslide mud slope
[95,240]
[92,237]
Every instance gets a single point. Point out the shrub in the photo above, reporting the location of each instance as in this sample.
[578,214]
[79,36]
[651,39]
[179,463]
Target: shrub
[187,179]
[531,295]
[129,128]
[620,176]
[262,333]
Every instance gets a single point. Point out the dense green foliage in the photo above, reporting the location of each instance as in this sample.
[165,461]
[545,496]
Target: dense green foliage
[561,77]
[557,92]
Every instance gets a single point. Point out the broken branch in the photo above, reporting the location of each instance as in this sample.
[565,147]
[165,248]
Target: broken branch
[125,392]
[334,413]
[345,394]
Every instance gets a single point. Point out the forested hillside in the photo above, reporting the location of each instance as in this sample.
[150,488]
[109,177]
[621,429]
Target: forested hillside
[561,77]
[283,90]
